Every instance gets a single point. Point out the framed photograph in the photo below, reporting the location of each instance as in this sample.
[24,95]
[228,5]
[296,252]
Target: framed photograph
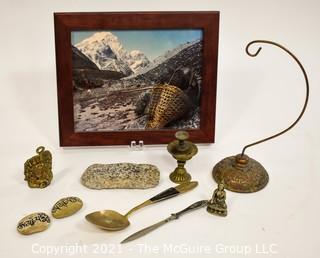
[142,76]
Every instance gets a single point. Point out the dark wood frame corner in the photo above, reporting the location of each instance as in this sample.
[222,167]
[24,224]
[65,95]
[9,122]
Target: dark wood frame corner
[65,23]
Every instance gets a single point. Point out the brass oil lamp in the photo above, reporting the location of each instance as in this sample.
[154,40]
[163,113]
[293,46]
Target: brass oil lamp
[240,173]
[182,150]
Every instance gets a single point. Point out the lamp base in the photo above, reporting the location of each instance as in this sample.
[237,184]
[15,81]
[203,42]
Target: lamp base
[180,175]
[240,174]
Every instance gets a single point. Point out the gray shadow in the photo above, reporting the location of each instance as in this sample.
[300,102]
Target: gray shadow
[58,176]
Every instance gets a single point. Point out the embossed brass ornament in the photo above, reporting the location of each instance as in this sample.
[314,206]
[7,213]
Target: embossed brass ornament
[38,169]
[217,205]
[241,173]
[182,150]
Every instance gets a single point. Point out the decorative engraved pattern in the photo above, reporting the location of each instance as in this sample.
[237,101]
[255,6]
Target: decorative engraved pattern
[66,207]
[247,178]
[38,169]
[35,222]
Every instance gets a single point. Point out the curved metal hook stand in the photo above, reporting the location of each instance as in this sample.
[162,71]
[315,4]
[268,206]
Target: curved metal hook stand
[307,89]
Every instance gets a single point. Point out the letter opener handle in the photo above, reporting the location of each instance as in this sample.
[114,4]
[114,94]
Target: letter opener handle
[173,216]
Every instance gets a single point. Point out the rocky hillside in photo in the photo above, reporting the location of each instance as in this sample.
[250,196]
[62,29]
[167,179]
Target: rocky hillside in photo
[80,61]
[86,74]
[167,55]
[189,56]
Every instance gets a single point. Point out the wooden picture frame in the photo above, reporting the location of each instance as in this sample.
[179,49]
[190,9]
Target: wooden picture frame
[68,23]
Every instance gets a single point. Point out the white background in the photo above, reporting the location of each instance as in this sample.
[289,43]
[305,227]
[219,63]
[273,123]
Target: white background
[256,97]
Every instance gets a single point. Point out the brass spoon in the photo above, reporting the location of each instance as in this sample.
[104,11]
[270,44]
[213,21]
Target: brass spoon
[114,221]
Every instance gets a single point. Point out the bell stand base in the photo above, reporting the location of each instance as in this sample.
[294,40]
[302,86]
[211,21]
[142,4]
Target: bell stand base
[240,174]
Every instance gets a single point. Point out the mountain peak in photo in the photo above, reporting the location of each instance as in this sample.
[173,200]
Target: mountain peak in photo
[108,53]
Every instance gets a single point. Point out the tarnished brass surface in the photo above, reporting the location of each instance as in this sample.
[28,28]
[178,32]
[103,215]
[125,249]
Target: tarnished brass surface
[114,221]
[181,150]
[66,207]
[108,220]
[33,223]
[138,207]
[168,103]
[217,205]
[240,174]
[185,187]
[38,169]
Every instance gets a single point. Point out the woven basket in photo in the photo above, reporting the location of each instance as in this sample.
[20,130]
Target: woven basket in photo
[168,103]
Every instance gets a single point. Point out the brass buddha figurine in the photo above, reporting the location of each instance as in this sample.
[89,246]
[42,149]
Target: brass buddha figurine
[217,205]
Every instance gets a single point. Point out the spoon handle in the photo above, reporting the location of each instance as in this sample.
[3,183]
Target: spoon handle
[166,194]
[174,191]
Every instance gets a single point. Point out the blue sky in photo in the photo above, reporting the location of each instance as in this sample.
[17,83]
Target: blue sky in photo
[152,43]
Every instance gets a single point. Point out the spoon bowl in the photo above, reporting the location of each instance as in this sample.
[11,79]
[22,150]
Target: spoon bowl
[108,220]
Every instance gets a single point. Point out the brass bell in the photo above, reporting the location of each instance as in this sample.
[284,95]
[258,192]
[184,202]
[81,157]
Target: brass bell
[181,150]
[241,173]
[38,169]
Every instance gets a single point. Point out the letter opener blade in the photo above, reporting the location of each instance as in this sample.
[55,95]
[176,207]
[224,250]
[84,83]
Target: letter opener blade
[173,216]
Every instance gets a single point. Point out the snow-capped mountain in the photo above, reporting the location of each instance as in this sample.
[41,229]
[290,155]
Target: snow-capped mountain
[107,52]
[138,60]
[163,58]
